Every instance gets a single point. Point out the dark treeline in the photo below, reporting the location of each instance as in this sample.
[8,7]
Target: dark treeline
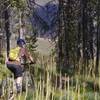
[79,35]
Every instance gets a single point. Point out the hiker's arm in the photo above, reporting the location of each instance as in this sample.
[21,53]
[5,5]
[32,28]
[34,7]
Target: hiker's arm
[28,55]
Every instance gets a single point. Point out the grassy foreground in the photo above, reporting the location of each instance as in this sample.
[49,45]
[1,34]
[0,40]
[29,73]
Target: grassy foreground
[49,85]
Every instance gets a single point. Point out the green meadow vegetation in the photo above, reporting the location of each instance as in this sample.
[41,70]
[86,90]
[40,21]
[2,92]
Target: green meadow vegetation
[51,85]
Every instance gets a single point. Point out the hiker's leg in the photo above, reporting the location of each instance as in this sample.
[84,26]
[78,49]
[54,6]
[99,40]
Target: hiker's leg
[18,78]
[19,84]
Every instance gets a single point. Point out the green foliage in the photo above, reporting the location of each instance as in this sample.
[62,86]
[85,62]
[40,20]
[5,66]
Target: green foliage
[3,71]
[30,96]
[31,40]
[20,4]
[2,59]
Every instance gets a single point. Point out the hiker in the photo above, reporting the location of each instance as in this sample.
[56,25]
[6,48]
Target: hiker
[15,65]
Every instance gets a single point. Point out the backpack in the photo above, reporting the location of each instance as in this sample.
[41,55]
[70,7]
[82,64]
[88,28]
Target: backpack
[14,53]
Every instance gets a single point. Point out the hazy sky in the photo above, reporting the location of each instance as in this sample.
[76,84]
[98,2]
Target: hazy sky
[42,2]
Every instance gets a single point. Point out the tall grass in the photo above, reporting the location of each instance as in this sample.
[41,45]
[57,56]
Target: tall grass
[50,85]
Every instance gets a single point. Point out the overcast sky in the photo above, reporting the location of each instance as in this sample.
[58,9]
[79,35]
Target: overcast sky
[42,2]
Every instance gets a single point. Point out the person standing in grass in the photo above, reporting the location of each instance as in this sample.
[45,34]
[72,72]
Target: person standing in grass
[15,64]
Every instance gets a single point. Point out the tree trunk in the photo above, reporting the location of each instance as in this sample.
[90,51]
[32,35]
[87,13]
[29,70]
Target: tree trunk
[84,28]
[7,29]
[60,37]
[98,39]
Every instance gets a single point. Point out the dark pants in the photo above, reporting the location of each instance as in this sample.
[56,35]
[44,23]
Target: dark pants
[15,69]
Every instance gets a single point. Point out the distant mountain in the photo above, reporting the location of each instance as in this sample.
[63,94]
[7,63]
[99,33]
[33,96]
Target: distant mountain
[45,17]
